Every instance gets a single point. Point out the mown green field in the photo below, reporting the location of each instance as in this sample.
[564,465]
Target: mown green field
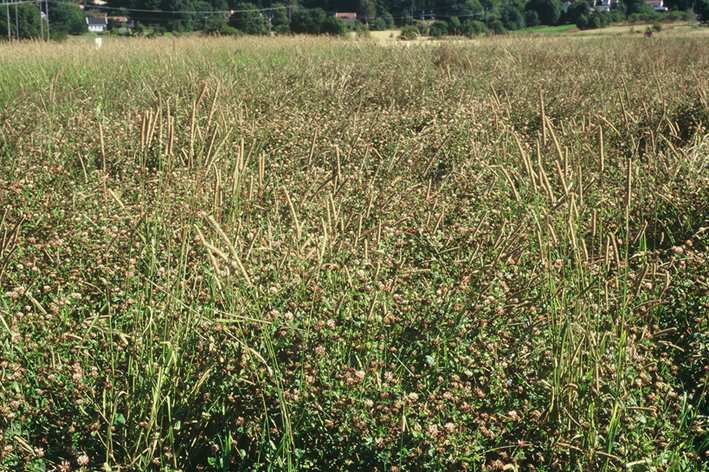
[549,29]
[317,254]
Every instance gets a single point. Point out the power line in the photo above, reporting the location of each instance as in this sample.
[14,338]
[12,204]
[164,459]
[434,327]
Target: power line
[140,10]
[7,9]
[425,13]
[430,14]
[178,12]
[20,2]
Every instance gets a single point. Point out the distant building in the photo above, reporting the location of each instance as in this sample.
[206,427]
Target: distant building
[86,5]
[603,5]
[657,5]
[97,24]
[607,5]
[347,17]
[121,21]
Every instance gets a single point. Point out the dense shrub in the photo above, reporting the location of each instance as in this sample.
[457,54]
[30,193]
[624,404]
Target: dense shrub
[280,23]
[214,24]
[678,15]
[454,25]
[438,29]
[377,24]
[701,8]
[333,26]
[512,18]
[637,7]
[549,11]
[474,28]
[642,17]
[307,21]
[409,32]
[248,20]
[531,18]
[423,28]
[388,19]
[575,12]
[495,26]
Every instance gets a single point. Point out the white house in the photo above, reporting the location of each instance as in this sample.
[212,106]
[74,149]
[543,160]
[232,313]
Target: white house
[607,5]
[603,5]
[657,5]
[97,24]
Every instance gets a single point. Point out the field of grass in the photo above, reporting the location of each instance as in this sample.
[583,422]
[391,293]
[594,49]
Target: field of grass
[548,29]
[668,29]
[385,35]
[311,254]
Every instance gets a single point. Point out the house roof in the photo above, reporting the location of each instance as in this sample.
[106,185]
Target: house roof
[346,15]
[96,20]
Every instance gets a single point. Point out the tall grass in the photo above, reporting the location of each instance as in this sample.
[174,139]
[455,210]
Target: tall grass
[304,253]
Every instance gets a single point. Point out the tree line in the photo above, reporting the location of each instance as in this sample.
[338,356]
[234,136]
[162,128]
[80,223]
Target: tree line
[26,21]
[434,17]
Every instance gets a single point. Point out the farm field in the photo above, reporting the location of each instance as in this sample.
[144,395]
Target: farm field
[309,254]
[668,29]
[673,29]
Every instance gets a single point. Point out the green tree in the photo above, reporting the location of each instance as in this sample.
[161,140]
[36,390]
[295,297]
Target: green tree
[302,22]
[473,28]
[468,9]
[491,8]
[366,10]
[28,19]
[511,16]
[636,6]
[67,18]
[496,26]
[181,20]
[409,32]
[279,18]
[211,23]
[575,11]
[308,21]
[679,4]
[701,8]
[582,21]
[377,24]
[388,19]
[531,18]
[333,26]
[549,11]
[438,29]
[454,25]
[249,20]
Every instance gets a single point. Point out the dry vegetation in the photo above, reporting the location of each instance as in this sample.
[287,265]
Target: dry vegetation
[293,254]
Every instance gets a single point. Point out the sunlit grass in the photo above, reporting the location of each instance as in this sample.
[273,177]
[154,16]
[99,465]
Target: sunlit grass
[293,253]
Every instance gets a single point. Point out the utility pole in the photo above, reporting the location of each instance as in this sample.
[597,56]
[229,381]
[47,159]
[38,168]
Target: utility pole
[46,5]
[17,25]
[7,10]
[41,21]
